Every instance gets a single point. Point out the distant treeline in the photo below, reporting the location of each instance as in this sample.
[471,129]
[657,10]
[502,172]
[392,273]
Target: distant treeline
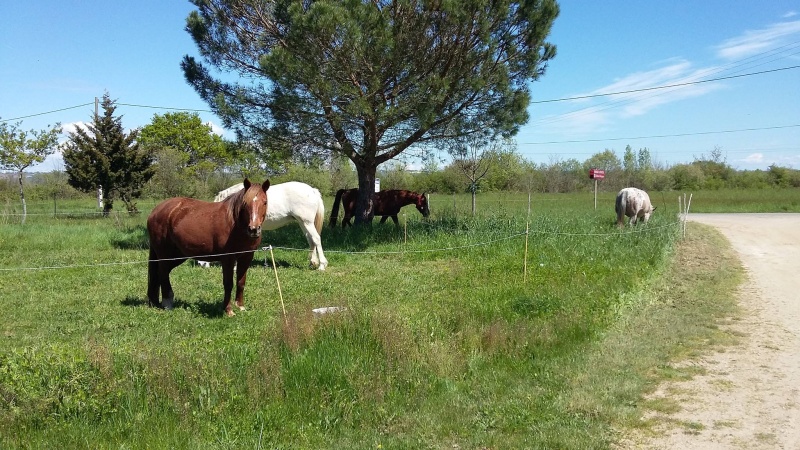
[507,172]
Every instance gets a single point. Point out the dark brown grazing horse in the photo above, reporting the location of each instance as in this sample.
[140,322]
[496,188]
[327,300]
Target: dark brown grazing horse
[384,203]
[228,232]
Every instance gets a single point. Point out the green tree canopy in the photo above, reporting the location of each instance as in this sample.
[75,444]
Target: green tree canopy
[104,155]
[185,132]
[21,149]
[369,79]
[186,150]
[608,161]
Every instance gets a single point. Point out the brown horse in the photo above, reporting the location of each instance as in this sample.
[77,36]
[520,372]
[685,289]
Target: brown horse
[384,203]
[228,232]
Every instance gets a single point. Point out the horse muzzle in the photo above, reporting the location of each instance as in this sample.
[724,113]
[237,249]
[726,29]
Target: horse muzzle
[254,232]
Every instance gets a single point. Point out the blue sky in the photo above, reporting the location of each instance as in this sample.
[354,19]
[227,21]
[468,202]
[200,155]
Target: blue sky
[56,55]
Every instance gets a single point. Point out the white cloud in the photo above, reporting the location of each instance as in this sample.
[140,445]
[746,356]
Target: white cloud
[216,129]
[604,110]
[759,160]
[594,114]
[789,14]
[756,41]
[71,127]
[585,120]
[754,158]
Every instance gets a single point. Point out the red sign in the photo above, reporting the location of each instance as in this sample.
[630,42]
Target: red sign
[597,174]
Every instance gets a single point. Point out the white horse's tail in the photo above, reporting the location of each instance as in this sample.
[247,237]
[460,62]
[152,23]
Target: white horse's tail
[621,205]
[320,217]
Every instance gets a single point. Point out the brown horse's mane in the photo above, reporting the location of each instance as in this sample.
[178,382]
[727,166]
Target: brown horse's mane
[411,194]
[404,195]
[235,202]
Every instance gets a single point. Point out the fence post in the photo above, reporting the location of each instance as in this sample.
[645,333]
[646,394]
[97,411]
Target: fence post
[525,261]
[405,231]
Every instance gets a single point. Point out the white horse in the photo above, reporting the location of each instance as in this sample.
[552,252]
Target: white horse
[292,202]
[634,203]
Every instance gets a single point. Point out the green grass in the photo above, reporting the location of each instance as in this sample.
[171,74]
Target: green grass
[445,341]
[747,200]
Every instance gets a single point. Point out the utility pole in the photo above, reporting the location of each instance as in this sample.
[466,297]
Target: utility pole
[99,187]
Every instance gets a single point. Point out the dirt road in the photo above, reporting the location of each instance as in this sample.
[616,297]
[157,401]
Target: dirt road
[749,396]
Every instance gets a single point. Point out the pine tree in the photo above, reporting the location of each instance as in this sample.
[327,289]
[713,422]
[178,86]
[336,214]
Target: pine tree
[102,155]
[369,80]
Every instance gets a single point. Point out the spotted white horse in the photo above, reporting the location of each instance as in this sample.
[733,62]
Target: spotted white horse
[634,203]
[292,202]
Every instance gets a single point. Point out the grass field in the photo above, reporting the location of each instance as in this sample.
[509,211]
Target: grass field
[451,337]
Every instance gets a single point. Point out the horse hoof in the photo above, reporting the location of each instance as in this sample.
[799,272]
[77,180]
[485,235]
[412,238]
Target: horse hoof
[167,304]
[241,308]
[230,313]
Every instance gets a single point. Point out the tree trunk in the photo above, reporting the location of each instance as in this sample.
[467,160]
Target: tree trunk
[473,203]
[22,197]
[108,204]
[366,187]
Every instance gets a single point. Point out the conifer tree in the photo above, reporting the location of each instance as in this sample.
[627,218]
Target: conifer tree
[369,79]
[103,155]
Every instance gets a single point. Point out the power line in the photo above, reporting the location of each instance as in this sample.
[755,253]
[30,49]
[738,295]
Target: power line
[696,78]
[92,103]
[667,86]
[579,97]
[47,112]
[165,107]
[656,136]
[764,150]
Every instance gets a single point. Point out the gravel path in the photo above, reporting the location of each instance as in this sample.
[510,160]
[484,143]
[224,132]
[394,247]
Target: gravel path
[749,397]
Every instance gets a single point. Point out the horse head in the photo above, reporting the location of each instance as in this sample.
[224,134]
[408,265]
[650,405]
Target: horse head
[254,206]
[422,205]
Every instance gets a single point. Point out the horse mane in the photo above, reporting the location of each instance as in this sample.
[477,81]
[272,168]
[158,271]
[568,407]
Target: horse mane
[414,195]
[235,202]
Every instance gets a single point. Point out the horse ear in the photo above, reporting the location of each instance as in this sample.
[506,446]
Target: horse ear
[265,185]
[246,184]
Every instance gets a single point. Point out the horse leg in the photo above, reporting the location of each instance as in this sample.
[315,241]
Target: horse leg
[153,280]
[396,222]
[383,218]
[227,285]
[167,295]
[316,256]
[322,261]
[242,264]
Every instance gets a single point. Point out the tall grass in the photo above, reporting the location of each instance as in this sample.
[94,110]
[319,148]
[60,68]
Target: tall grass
[444,342]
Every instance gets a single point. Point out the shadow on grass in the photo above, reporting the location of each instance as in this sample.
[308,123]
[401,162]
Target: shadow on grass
[256,264]
[359,238]
[209,309]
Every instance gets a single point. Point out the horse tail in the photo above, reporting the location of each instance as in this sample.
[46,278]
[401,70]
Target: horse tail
[621,205]
[320,217]
[335,209]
